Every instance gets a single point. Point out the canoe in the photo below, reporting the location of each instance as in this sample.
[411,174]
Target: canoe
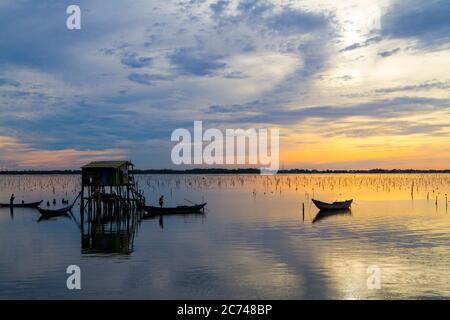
[21,205]
[342,205]
[331,213]
[174,210]
[57,212]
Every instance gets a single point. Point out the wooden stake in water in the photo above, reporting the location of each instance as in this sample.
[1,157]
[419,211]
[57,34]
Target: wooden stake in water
[303,211]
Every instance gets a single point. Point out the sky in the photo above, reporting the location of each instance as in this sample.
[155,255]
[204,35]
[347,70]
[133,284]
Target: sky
[350,84]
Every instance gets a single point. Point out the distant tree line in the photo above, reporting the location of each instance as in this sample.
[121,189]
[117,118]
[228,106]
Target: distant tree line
[225,171]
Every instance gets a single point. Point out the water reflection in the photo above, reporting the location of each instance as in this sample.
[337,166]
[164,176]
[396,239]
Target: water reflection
[53,217]
[109,232]
[321,215]
[161,217]
[253,243]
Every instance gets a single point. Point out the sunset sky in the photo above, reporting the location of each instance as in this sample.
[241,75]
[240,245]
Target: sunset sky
[350,84]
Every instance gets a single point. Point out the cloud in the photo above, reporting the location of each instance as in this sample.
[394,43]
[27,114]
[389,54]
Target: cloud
[417,87]
[147,79]
[23,157]
[9,82]
[290,21]
[363,44]
[107,51]
[235,75]
[389,53]
[426,21]
[132,60]
[191,61]
[378,109]
[219,7]
[254,7]
[385,128]
[248,61]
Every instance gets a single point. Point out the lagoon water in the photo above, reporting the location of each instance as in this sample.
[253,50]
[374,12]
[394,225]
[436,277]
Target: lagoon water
[251,243]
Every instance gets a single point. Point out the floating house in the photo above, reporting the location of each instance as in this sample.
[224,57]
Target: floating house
[109,183]
[107,174]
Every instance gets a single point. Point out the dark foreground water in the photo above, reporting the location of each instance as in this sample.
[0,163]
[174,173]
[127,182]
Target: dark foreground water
[251,242]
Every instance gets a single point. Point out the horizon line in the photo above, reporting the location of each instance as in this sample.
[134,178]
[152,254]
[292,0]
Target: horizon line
[228,171]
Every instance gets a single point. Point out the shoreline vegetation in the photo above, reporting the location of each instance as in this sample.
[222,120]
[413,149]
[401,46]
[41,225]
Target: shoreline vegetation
[230,171]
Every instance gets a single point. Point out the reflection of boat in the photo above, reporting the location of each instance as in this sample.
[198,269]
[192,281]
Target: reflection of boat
[174,210]
[21,205]
[324,206]
[152,216]
[331,213]
[48,217]
[57,212]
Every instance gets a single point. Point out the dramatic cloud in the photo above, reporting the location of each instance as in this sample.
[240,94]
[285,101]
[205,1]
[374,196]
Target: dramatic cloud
[418,87]
[389,53]
[138,70]
[144,78]
[295,22]
[363,44]
[189,61]
[132,60]
[427,21]
[379,109]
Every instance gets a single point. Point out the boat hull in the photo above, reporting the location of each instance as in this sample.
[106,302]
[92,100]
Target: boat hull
[21,205]
[49,212]
[324,206]
[174,210]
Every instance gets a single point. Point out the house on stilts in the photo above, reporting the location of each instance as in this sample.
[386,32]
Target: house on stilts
[109,183]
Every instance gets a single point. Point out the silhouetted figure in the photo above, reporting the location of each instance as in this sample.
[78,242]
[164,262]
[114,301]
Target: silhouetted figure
[23,202]
[11,200]
[54,202]
[161,201]
[48,203]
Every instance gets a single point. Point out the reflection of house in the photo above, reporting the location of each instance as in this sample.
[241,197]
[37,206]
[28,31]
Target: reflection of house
[105,232]
[107,174]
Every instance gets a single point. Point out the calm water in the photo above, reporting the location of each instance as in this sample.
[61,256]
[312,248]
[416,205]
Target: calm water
[251,242]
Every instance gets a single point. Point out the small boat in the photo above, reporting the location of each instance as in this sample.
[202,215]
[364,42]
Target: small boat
[174,210]
[21,205]
[57,212]
[331,213]
[342,205]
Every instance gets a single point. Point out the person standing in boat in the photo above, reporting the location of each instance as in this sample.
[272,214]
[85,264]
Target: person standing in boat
[11,200]
[161,201]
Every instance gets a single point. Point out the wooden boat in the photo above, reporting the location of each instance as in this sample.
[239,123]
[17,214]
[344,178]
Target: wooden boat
[21,205]
[331,213]
[174,210]
[57,212]
[342,205]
